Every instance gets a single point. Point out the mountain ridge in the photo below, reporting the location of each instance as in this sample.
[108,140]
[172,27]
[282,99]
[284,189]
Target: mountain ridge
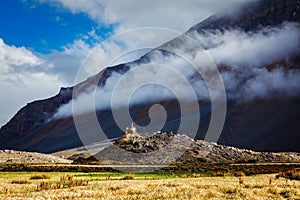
[30,129]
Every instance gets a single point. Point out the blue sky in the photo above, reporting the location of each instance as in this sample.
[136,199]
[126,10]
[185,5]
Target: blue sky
[43,27]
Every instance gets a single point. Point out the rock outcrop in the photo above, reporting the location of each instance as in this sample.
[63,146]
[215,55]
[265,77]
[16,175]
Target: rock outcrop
[193,152]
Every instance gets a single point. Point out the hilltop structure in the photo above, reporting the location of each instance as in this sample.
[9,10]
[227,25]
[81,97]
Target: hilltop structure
[131,132]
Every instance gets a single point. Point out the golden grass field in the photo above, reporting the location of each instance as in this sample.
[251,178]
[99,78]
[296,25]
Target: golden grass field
[63,185]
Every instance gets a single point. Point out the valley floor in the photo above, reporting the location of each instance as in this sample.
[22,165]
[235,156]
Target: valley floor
[78,185]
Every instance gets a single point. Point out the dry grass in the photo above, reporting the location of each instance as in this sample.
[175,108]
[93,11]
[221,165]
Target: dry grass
[64,182]
[65,186]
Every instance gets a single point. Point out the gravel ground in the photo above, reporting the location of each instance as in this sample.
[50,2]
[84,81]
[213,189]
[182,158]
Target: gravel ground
[11,156]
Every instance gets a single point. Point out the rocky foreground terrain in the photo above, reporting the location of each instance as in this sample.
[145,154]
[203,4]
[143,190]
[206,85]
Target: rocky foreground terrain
[11,156]
[156,148]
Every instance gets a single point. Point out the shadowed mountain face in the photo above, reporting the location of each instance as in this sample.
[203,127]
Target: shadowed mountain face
[261,124]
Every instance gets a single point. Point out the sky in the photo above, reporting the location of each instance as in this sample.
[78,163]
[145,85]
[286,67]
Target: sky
[44,43]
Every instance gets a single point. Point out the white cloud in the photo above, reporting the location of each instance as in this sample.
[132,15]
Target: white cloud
[13,56]
[66,62]
[273,83]
[174,14]
[92,7]
[252,49]
[22,79]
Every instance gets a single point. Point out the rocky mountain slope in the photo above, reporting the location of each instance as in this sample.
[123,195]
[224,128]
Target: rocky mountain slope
[260,124]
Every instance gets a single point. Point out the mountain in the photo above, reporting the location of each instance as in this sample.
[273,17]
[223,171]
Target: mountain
[261,124]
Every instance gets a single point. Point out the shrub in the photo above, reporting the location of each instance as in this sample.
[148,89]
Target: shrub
[231,190]
[43,186]
[114,188]
[128,177]
[171,184]
[290,174]
[287,193]
[40,176]
[184,176]
[20,181]
[239,173]
[135,192]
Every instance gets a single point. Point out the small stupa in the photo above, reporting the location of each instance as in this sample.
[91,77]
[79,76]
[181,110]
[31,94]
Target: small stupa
[131,131]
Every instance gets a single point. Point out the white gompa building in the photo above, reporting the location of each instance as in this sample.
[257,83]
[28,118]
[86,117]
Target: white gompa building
[131,131]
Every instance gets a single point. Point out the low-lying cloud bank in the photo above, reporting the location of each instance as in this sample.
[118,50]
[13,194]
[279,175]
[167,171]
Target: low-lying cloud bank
[247,57]
[243,59]
[236,48]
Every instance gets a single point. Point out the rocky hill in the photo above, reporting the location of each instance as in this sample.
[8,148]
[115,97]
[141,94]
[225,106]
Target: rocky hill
[136,150]
[260,124]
